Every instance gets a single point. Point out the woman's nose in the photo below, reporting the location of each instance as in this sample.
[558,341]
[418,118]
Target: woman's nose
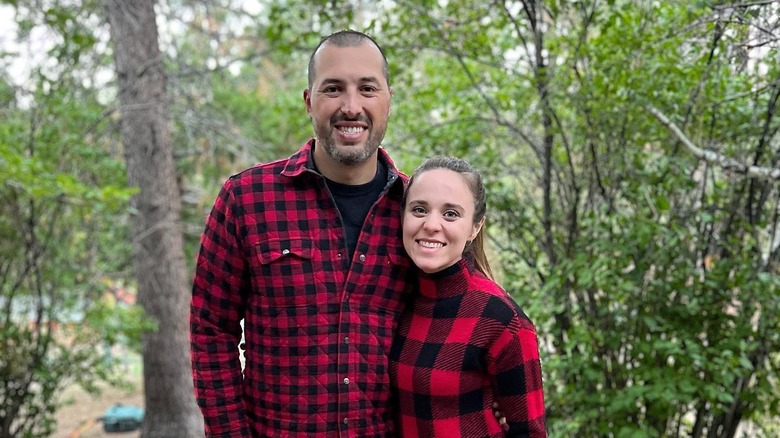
[432,224]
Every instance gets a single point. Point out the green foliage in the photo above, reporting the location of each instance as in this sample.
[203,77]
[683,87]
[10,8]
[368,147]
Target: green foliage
[658,332]
[651,275]
[63,239]
[61,201]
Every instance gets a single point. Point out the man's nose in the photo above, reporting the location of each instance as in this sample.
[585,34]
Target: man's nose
[350,105]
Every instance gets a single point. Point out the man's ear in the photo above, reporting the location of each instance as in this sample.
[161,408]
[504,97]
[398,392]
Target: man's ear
[307,100]
[390,102]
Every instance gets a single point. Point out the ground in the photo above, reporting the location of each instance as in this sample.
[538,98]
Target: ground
[79,418]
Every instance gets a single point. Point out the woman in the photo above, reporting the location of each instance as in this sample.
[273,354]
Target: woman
[463,343]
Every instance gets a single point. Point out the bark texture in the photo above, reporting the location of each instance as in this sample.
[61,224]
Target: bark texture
[163,289]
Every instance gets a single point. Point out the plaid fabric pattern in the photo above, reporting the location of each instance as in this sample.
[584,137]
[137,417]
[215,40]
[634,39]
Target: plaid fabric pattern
[463,344]
[318,328]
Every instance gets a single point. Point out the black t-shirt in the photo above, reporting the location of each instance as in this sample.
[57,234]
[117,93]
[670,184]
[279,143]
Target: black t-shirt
[354,202]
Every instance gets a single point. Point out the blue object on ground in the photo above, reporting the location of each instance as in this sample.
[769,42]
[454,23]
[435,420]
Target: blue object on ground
[122,418]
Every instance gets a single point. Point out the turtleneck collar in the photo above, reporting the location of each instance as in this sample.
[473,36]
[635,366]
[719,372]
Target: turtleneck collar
[449,282]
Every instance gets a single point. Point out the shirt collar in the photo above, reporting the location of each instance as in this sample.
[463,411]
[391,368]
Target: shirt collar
[302,161]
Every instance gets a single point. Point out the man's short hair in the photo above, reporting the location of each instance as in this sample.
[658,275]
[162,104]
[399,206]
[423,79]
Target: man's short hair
[347,38]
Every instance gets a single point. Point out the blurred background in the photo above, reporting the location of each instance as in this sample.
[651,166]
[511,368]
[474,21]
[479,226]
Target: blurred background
[631,150]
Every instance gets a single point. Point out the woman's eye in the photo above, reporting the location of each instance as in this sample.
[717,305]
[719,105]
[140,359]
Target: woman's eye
[451,214]
[418,210]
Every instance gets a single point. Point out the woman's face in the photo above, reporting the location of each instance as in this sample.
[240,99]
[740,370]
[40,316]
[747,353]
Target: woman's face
[438,219]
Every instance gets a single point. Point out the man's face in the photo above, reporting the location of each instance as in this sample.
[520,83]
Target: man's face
[348,102]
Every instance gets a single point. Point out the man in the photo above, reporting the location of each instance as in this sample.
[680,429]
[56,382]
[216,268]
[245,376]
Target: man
[307,251]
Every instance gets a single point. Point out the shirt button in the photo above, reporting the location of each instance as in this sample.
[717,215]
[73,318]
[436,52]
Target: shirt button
[346,420]
[346,339]
[339,255]
[346,380]
[285,251]
[362,257]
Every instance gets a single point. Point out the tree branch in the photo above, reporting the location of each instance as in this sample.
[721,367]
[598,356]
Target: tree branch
[712,157]
[745,5]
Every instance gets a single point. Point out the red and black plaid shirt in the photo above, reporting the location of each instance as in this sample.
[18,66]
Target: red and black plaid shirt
[318,327]
[462,345]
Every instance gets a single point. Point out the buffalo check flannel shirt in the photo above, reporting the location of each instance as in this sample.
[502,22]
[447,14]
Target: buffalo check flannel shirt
[463,344]
[318,327]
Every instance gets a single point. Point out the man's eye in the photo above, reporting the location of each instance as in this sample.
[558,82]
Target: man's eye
[331,89]
[369,89]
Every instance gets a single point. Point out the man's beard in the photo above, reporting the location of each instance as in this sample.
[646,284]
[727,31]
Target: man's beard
[350,155]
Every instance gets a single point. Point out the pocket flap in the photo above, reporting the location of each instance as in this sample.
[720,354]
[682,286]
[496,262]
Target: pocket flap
[271,250]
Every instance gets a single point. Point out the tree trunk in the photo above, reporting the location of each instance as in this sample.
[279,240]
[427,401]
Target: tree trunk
[170,409]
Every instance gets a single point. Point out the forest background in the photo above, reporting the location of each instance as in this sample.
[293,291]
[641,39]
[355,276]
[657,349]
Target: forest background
[631,151]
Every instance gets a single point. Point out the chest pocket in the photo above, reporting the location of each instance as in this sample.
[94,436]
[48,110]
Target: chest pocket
[283,272]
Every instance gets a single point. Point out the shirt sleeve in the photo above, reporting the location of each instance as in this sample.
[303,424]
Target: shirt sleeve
[216,311]
[516,375]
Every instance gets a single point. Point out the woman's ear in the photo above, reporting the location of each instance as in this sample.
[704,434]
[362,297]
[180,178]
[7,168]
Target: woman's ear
[476,228]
